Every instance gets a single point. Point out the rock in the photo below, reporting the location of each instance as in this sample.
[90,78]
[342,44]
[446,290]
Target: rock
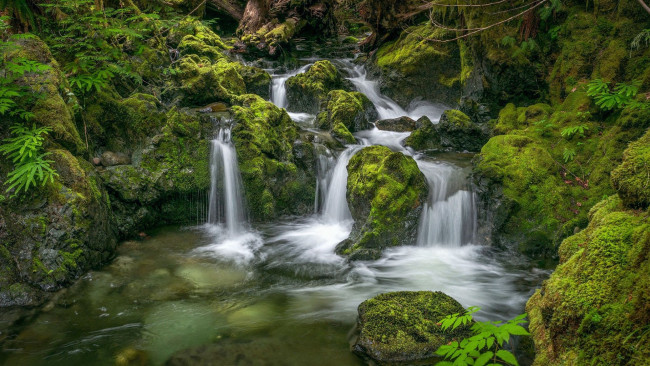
[594,308]
[275,178]
[306,91]
[454,132]
[632,178]
[401,124]
[97,161]
[402,326]
[132,357]
[385,192]
[110,158]
[351,109]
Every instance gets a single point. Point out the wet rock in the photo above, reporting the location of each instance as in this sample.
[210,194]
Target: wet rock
[385,192]
[132,357]
[206,276]
[454,132]
[402,326]
[306,91]
[110,158]
[353,110]
[231,352]
[401,124]
[632,178]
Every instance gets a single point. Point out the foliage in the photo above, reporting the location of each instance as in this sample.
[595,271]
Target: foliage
[568,154]
[96,43]
[486,346]
[25,152]
[21,10]
[641,39]
[570,131]
[544,127]
[622,96]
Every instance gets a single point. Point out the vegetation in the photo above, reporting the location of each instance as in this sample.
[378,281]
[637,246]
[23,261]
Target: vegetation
[486,346]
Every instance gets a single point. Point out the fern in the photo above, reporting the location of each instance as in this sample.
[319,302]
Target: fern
[568,132]
[640,39]
[485,346]
[568,154]
[622,96]
[25,152]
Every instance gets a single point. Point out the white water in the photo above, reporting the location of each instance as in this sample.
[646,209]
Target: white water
[278,89]
[226,216]
[444,258]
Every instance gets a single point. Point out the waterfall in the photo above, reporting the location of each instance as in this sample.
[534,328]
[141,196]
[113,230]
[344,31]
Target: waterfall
[278,89]
[226,202]
[335,204]
[449,216]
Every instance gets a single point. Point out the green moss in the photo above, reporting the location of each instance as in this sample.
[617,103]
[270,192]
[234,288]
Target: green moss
[632,178]
[594,308]
[454,132]
[206,46]
[385,192]
[403,326]
[264,136]
[342,134]
[307,90]
[201,82]
[348,109]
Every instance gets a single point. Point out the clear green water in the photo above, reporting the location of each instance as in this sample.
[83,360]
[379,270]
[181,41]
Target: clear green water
[282,299]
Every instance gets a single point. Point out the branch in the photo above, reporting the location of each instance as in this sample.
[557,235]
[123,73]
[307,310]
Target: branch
[645,6]
[477,30]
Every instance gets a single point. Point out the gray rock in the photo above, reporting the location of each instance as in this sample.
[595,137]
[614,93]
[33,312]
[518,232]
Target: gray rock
[401,124]
[110,158]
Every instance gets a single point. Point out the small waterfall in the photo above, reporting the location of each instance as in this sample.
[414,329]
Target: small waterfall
[335,204]
[386,107]
[226,202]
[449,216]
[278,89]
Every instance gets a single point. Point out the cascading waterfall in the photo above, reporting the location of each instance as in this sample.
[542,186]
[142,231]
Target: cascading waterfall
[226,202]
[335,204]
[449,216]
[278,89]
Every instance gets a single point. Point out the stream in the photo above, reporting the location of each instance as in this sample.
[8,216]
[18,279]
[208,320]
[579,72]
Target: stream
[227,291]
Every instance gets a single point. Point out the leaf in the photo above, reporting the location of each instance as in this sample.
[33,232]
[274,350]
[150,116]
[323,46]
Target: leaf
[518,330]
[484,358]
[507,357]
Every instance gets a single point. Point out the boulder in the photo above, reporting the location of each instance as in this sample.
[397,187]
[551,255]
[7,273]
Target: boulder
[454,132]
[110,158]
[352,109]
[401,124]
[385,192]
[632,178]
[403,326]
[306,91]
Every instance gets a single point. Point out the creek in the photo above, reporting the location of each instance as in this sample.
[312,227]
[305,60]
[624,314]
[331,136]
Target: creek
[228,290]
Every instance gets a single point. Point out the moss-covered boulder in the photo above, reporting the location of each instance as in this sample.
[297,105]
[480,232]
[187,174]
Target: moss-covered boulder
[385,192]
[403,326]
[414,67]
[56,233]
[306,91]
[536,184]
[595,307]
[269,151]
[632,178]
[352,109]
[454,132]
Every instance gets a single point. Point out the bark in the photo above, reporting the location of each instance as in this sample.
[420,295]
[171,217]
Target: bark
[644,5]
[255,16]
[230,7]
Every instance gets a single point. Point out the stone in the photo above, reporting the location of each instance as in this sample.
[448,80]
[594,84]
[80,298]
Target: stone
[401,124]
[454,132]
[110,158]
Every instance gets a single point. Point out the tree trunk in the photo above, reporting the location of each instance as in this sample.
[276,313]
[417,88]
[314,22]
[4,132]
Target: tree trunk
[230,7]
[255,16]
[645,6]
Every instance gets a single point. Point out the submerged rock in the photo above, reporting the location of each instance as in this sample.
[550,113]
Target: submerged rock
[454,132]
[385,192]
[306,91]
[400,124]
[403,326]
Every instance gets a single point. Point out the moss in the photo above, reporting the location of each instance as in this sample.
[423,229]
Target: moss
[454,132]
[594,308]
[413,67]
[201,82]
[342,134]
[307,90]
[386,192]
[403,326]
[632,178]
[257,81]
[348,109]
[264,137]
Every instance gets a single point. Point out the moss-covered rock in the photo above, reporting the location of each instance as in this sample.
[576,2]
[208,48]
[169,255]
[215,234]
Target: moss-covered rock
[414,67]
[344,112]
[454,132]
[403,326]
[400,124]
[266,139]
[306,91]
[385,192]
[595,307]
[272,38]
[632,178]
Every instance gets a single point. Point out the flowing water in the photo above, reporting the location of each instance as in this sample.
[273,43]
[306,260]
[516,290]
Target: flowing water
[228,293]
